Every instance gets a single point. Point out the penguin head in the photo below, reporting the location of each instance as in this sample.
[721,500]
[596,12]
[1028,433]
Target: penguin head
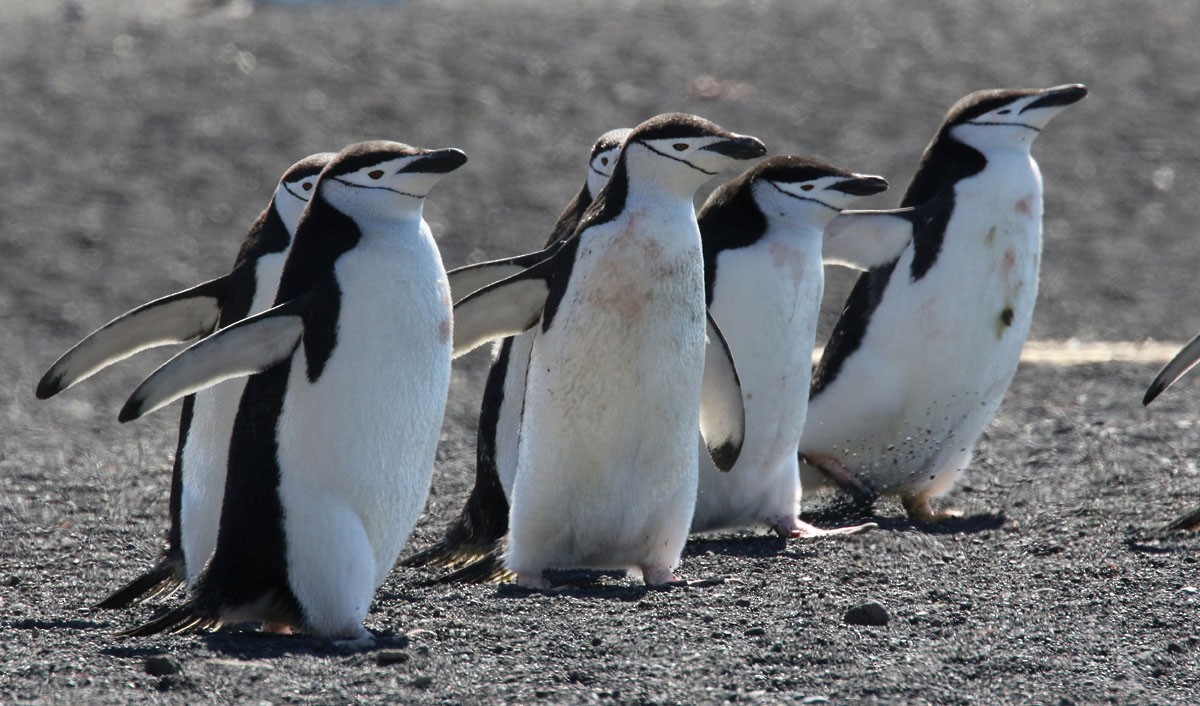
[385,179]
[604,158]
[296,186]
[1007,117]
[680,152]
[798,188]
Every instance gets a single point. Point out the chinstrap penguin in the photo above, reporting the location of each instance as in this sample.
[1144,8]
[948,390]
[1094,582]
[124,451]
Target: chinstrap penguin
[333,444]
[206,420]
[763,241]
[620,374]
[1177,367]
[926,346]
[483,520]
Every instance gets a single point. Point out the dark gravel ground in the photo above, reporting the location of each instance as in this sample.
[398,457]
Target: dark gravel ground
[141,139]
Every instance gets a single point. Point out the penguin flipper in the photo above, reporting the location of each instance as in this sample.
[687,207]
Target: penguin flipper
[471,278]
[1190,521]
[487,569]
[862,240]
[250,346]
[162,580]
[174,318]
[173,622]
[1183,361]
[722,411]
[477,531]
[505,308]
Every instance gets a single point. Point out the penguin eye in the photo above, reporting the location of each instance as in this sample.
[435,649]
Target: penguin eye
[680,146]
[604,161]
[377,174]
[806,187]
[307,186]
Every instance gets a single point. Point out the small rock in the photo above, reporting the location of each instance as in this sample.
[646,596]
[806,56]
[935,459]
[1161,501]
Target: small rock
[742,603]
[869,613]
[815,700]
[596,642]
[385,658]
[755,632]
[162,665]
[422,681]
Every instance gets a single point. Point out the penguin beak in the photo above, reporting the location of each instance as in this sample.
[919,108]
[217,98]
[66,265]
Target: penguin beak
[438,161]
[739,147]
[861,185]
[1058,97]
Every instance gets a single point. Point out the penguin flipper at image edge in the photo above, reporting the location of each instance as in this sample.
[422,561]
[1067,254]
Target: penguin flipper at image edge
[471,278]
[864,240]
[175,318]
[250,346]
[1184,360]
[1189,522]
[722,410]
[508,307]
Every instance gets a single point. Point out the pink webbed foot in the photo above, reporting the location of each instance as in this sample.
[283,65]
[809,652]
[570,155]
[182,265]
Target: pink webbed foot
[535,581]
[795,528]
[919,510]
[661,576]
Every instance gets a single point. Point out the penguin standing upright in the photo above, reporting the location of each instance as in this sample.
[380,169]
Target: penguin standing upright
[206,420]
[606,474]
[333,445]
[763,240]
[926,346]
[484,518]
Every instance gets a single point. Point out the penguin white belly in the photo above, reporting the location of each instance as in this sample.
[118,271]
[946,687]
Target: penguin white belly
[911,403]
[356,448]
[508,426]
[766,300]
[607,470]
[206,448]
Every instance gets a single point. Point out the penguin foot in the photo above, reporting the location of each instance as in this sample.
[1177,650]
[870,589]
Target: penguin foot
[533,581]
[661,576]
[798,529]
[843,478]
[1190,521]
[277,629]
[919,510]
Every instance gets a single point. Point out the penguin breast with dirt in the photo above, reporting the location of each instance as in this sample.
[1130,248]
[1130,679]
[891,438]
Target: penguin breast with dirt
[333,445]
[763,240]
[927,345]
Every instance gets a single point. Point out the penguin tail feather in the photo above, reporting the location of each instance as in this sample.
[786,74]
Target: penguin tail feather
[1190,521]
[173,622]
[163,580]
[475,533]
[487,569]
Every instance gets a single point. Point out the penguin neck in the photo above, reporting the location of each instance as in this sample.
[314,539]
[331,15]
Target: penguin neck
[947,160]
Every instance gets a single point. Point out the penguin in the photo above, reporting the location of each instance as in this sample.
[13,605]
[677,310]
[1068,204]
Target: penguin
[333,444]
[763,236]
[198,473]
[1176,368]
[483,520]
[620,374]
[926,346]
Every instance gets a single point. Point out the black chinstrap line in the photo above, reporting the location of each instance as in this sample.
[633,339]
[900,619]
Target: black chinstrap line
[999,124]
[381,188]
[798,197]
[677,159]
[303,197]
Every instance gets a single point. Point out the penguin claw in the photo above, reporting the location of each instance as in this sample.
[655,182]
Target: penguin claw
[803,530]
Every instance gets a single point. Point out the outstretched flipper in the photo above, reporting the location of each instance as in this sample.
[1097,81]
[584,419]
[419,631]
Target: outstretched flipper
[722,411]
[1183,361]
[471,278]
[861,240]
[508,307]
[487,569]
[1190,521]
[250,346]
[163,580]
[174,622]
[174,318]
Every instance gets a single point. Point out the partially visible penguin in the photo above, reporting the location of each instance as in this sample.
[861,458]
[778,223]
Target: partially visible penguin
[926,346]
[484,518]
[333,444]
[1183,361]
[763,244]
[198,475]
[620,375]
